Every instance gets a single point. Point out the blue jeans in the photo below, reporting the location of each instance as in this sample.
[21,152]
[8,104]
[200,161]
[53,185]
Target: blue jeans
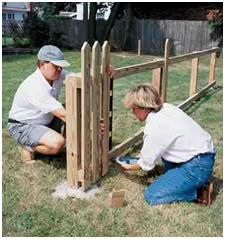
[180,181]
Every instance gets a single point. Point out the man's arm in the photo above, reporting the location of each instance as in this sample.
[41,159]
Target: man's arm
[60,113]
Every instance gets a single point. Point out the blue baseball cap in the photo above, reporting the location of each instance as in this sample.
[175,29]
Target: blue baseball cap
[52,54]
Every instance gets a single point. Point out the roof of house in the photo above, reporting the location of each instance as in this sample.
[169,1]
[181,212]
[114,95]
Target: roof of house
[15,6]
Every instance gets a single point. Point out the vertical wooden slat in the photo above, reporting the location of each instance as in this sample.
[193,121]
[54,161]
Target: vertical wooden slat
[139,47]
[165,71]
[85,112]
[194,76]
[95,73]
[157,79]
[105,105]
[212,67]
[73,129]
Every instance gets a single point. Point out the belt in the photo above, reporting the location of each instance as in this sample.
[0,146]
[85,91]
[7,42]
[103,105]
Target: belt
[15,121]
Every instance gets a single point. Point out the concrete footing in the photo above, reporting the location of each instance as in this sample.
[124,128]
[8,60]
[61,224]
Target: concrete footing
[64,191]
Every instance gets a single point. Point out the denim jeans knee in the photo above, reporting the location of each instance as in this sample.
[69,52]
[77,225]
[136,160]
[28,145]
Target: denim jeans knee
[150,197]
[155,197]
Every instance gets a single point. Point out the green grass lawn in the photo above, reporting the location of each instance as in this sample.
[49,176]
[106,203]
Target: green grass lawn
[28,208]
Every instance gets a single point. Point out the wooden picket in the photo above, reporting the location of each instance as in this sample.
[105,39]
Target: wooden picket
[96,111]
[105,105]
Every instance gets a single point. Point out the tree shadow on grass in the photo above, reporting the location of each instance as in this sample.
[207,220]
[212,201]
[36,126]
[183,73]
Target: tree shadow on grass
[197,104]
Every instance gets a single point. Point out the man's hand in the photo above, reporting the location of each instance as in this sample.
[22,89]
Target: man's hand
[102,126]
[60,113]
[111,71]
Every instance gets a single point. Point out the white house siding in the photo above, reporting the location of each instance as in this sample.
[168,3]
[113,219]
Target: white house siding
[14,11]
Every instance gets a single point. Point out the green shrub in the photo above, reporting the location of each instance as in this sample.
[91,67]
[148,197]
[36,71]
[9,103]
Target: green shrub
[36,29]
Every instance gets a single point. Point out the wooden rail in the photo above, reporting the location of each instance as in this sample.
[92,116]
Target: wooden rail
[88,100]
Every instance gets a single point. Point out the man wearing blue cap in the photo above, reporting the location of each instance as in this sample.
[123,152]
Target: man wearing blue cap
[35,104]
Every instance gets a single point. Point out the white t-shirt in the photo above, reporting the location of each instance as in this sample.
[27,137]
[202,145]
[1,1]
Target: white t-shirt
[35,99]
[173,135]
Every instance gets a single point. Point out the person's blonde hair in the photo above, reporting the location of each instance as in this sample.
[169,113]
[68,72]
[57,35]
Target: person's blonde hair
[143,96]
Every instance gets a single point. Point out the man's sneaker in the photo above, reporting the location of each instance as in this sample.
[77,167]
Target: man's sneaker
[204,194]
[26,156]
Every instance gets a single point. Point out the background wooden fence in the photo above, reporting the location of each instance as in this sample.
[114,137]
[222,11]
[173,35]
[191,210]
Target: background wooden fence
[185,36]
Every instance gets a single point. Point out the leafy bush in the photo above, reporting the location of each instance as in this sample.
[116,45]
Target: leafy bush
[57,39]
[36,29]
[216,24]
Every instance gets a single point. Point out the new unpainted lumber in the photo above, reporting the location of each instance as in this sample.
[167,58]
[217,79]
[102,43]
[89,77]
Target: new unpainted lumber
[194,76]
[117,198]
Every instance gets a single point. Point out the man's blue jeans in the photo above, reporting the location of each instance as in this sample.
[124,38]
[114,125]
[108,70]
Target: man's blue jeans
[181,180]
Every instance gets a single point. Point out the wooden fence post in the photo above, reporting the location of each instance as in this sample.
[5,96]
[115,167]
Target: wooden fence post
[165,71]
[194,76]
[96,110]
[105,106]
[73,129]
[157,79]
[85,112]
[212,67]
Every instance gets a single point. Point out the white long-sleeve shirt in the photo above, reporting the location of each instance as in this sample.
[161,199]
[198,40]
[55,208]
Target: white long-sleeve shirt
[173,135]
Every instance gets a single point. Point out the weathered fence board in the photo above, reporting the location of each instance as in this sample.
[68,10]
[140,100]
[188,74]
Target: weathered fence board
[185,36]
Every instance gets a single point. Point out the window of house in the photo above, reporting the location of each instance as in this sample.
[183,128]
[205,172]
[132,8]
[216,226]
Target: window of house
[9,16]
[3,16]
[13,16]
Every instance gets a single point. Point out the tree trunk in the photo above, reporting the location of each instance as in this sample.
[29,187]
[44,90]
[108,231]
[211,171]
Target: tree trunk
[92,23]
[85,21]
[127,35]
[110,22]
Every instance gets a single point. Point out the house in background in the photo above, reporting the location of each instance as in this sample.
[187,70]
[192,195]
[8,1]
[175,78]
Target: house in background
[15,11]
[79,14]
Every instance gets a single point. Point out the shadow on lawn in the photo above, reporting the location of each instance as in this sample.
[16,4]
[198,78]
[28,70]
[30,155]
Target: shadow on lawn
[57,161]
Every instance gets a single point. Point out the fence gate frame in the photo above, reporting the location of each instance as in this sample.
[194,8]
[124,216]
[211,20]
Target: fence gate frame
[87,101]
